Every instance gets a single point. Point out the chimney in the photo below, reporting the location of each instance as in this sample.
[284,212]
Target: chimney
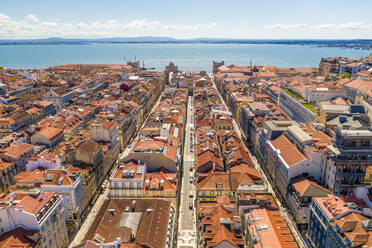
[149,211]
[12,197]
[112,211]
[237,224]
[133,205]
[214,166]
[67,147]
[42,195]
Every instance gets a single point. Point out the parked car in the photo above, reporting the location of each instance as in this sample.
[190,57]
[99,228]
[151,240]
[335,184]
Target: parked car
[190,206]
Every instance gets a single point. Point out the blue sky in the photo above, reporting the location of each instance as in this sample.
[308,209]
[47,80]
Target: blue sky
[186,19]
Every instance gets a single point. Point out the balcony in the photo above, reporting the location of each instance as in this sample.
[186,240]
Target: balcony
[353,148]
[352,161]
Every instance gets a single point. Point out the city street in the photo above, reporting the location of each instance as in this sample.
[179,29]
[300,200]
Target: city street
[187,216]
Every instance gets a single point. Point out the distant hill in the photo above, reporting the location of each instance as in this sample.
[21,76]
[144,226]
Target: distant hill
[356,44]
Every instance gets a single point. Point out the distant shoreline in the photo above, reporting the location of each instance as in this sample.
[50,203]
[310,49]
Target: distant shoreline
[189,57]
[361,44]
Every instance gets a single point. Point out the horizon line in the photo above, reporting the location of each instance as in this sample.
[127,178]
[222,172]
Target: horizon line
[195,38]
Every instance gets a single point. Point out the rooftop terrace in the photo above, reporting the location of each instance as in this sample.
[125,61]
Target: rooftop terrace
[300,99]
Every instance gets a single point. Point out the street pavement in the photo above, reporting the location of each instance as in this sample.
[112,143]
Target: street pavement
[187,216]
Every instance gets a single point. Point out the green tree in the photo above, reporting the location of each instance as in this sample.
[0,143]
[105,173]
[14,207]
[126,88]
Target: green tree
[345,75]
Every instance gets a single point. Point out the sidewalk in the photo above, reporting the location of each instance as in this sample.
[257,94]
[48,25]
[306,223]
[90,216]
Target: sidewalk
[89,220]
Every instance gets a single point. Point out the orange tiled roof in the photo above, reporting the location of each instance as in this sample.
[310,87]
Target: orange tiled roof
[109,124]
[351,224]
[17,150]
[18,238]
[288,150]
[58,174]
[132,165]
[359,84]
[29,176]
[50,132]
[33,204]
[44,103]
[213,179]
[171,150]
[332,205]
[211,216]
[33,110]
[206,157]
[247,169]
[5,165]
[320,139]
[305,187]
[150,144]
[277,233]
[169,179]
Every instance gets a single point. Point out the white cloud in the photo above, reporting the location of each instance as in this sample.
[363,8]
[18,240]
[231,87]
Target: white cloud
[324,26]
[32,26]
[181,27]
[351,25]
[82,25]
[210,25]
[97,25]
[116,25]
[140,24]
[112,22]
[4,17]
[31,17]
[286,26]
[190,28]
[50,24]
